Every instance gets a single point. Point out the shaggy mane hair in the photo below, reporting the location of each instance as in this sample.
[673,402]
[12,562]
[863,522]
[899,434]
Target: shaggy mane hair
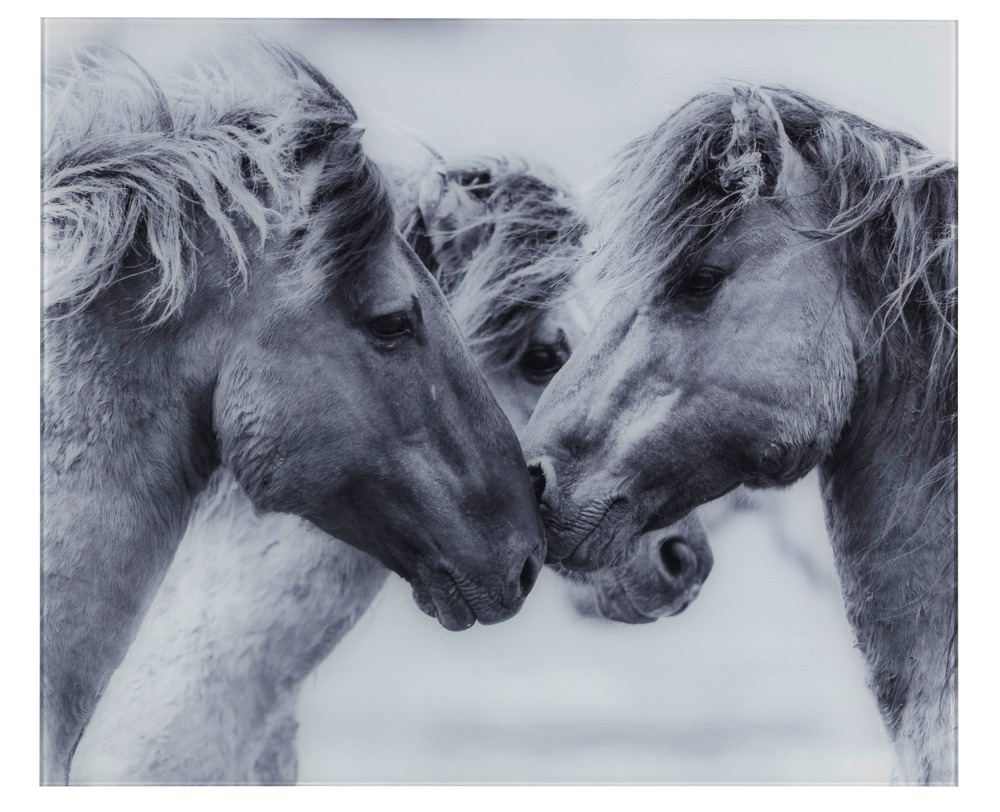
[527,238]
[890,207]
[253,146]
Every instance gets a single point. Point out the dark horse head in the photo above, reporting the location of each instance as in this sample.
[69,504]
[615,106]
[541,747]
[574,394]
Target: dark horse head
[753,250]
[234,245]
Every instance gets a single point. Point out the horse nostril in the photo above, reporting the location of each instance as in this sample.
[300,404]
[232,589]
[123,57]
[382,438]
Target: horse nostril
[537,479]
[529,574]
[672,554]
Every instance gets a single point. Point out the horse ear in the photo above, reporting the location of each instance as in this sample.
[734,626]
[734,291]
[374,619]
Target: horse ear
[759,160]
[316,155]
[446,206]
[417,230]
[431,193]
[794,178]
[453,221]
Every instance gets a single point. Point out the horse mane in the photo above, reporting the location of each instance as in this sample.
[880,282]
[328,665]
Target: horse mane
[889,203]
[130,165]
[526,240]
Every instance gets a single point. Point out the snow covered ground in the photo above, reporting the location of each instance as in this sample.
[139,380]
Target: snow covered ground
[757,682]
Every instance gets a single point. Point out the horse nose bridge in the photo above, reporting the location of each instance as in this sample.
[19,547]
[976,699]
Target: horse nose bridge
[620,389]
[505,510]
[493,456]
[642,431]
[559,400]
[558,434]
[495,485]
[579,410]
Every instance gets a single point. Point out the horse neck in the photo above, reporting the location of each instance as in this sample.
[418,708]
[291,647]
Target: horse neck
[132,396]
[126,443]
[237,716]
[890,502]
[125,410]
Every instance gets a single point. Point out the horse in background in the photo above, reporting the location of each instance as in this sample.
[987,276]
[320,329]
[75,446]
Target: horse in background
[253,603]
[667,573]
[224,284]
[782,277]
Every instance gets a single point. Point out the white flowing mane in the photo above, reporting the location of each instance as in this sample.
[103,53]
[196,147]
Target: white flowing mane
[528,238]
[133,166]
[891,206]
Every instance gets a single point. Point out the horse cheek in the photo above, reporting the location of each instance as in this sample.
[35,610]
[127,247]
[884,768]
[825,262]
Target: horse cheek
[241,421]
[829,391]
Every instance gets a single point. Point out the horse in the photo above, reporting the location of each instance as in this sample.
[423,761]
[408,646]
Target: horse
[224,284]
[783,293]
[253,603]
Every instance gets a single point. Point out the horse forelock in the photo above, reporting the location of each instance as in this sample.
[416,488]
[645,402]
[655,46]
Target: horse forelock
[521,261]
[669,192]
[127,159]
[753,162]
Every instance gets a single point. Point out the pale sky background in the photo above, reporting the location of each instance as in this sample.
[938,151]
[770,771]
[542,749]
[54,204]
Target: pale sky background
[569,93]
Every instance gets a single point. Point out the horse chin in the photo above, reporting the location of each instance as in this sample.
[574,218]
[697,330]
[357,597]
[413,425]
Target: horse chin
[664,516]
[614,603]
[625,601]
[439,595]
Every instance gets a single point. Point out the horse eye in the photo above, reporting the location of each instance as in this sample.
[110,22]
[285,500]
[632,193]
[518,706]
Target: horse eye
[391,326]
[540,362]
[703,282]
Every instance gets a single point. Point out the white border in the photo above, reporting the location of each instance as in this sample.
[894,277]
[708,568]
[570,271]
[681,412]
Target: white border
[978,398]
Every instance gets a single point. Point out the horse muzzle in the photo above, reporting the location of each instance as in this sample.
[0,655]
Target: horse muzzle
[662,580]
[457,601]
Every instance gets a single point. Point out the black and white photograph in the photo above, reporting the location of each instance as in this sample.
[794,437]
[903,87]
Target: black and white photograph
[499,402]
